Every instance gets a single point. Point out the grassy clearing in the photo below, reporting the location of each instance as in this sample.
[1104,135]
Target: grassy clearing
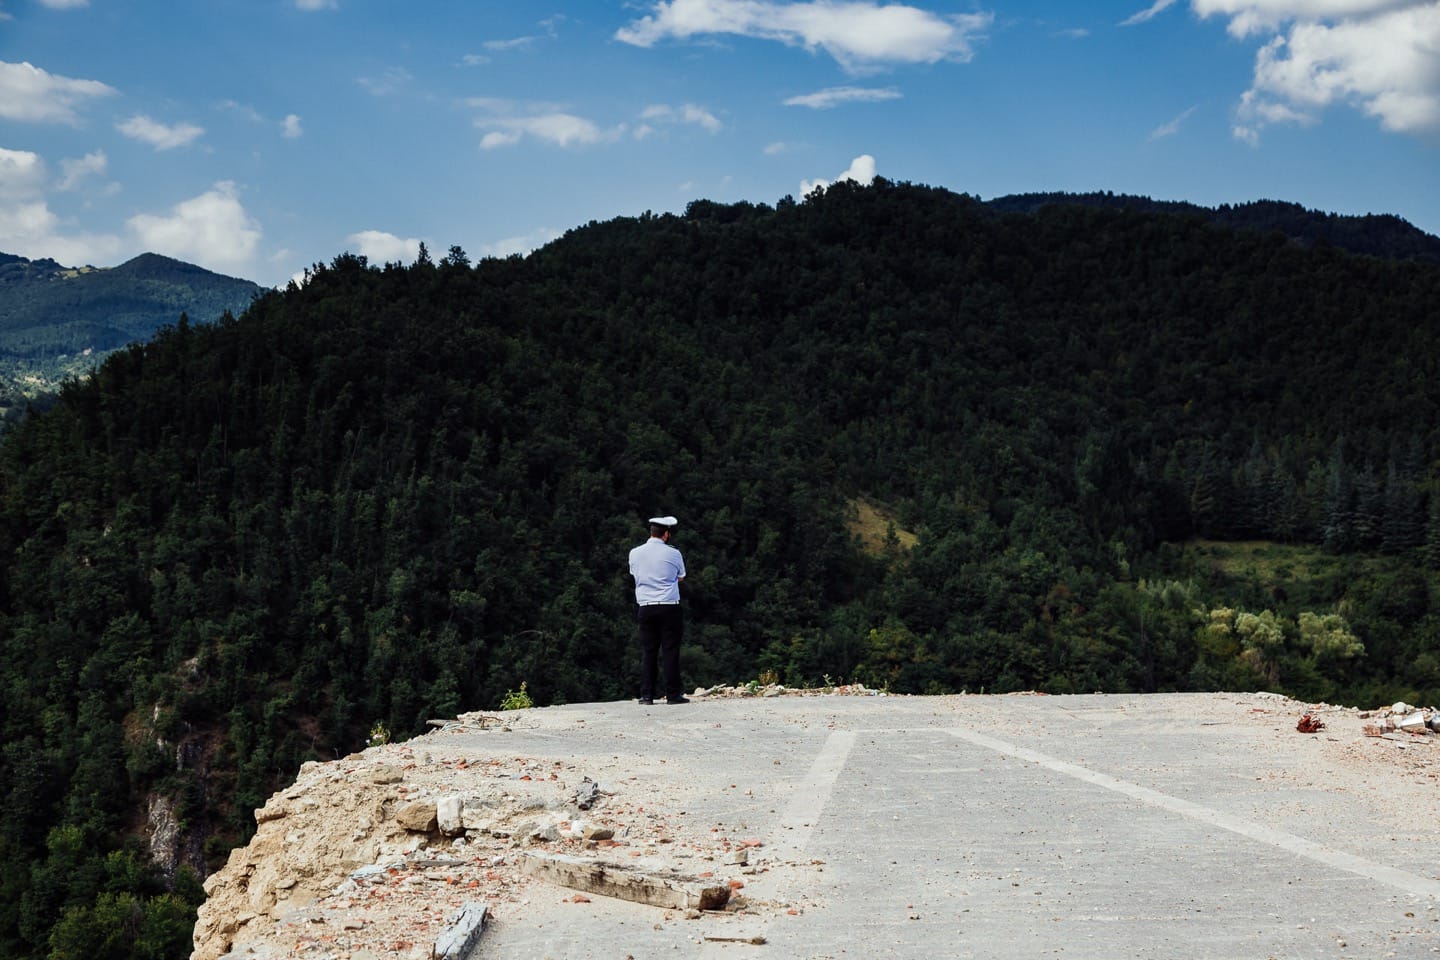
[1270,562]
[873,525]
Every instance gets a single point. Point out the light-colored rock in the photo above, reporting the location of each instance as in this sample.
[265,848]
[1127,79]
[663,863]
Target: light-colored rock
[418,816]
[477,819]
[386,773]
[165,834]
[274,810]
[544,833]
[447,814]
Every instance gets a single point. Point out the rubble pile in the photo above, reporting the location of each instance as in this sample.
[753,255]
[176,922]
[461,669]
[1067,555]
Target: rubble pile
[1402,718]
[369,856]
[756,688]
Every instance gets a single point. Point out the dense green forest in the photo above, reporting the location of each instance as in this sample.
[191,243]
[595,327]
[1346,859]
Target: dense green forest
[1381,235]
[59,322]
[1114,450]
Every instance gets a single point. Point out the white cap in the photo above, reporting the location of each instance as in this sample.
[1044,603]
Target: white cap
[664,521]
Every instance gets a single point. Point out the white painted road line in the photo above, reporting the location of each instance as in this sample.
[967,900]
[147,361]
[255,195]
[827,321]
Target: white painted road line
[1289,842]
[799,819]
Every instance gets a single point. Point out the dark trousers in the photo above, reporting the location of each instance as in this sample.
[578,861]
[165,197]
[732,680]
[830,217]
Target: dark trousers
[660,629]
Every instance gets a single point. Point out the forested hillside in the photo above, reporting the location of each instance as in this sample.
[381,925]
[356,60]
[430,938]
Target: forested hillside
[398,492]
[58,322]
[1381,235]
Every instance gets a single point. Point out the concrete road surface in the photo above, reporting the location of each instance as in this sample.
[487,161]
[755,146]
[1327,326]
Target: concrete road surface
[1169,826]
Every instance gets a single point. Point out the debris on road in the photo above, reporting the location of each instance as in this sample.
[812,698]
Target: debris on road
[586,794]
[374,852]
[756,940]
[756,688]
[1403,718]
[1310,723]
[458,940]
[623,883]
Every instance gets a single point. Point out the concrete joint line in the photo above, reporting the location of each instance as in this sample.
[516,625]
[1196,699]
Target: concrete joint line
[1289,842]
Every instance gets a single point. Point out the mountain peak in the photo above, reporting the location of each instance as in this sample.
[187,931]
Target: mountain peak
[51,314]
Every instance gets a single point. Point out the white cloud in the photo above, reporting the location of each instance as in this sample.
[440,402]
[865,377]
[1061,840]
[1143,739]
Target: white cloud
[389,82]
[834,96]
[688,113]
[244,109]
[522,245]
[317,4]
[381,247]
[859,34]
[32,230]
[290,127]
[550,26]
[1171,128]
[92,164]
[212,229]
[474,59]
[1379,56]
[559,128]
[776,148]
[499,138]
[511,44]
[22,174]
[1153,11]
[64,4]
[1267,16]
[1246,134]
[861,170]
[22,223]
[29,228]
[31,94]
[159,135]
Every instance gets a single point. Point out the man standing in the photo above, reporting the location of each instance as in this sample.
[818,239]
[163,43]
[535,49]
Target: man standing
[658,569]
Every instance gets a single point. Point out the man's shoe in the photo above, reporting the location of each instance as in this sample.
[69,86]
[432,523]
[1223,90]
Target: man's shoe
[677,699]
[646,701]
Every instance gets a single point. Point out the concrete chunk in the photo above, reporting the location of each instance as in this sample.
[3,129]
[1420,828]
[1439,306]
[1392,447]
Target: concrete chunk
[1412,722]
[459,939]
[614,880]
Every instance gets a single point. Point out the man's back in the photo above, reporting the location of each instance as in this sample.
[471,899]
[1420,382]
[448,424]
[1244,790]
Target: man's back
[658,569]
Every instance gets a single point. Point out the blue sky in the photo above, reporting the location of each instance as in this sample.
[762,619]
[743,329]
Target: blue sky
[258,137]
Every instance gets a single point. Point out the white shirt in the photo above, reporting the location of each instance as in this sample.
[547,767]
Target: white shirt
[658,569]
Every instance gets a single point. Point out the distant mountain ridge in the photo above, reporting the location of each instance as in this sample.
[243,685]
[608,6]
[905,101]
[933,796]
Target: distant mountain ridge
[1376,235]
[57,321]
